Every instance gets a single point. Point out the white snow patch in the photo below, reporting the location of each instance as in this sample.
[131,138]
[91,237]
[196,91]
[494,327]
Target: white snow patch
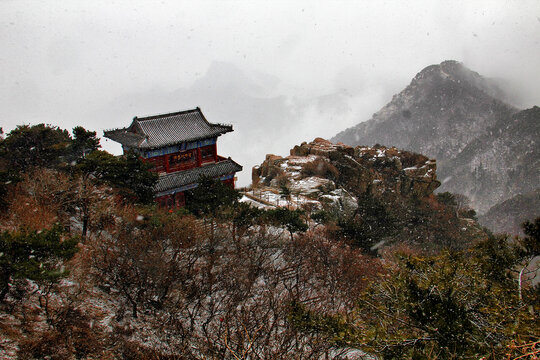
[446,179]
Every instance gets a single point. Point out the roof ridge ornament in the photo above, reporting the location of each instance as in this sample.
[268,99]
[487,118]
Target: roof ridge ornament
[163,115]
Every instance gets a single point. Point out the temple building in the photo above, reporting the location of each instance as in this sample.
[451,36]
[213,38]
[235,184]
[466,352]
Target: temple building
[182,146]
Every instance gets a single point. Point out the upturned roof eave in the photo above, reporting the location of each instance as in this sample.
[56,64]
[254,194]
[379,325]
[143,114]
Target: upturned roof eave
[124,137]
[229,167]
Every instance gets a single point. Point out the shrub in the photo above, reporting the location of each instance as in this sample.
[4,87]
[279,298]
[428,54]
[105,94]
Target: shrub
[320,167]
[409,159]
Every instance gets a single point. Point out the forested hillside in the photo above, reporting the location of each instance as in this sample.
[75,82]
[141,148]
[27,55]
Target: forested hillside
[92,269]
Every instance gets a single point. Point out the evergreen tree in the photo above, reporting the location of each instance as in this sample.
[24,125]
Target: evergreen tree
[84,142]
[211,200]
[7,175]
[35,255]
[128,174]
[39,145]
[285,193]
[531,242]
[210,197]
[242,216]
[454,305]
[369,225]
[135,179]
[290,219]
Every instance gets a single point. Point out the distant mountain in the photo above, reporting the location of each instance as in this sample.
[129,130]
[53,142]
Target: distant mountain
[485,148]
[500,164]
[508,216]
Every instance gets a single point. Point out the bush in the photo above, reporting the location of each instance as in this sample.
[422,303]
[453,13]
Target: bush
[447,198]
[320,167]
[290,219]
[409,159]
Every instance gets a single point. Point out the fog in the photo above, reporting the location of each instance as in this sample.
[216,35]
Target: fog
[280,72]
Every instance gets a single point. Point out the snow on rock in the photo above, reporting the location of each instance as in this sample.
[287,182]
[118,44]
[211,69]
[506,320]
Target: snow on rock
[312,185]
[316,174]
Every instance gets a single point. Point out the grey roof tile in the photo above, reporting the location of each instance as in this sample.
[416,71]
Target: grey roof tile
[168,129]
[177,179]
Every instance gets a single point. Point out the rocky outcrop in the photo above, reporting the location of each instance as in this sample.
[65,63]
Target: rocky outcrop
[319,167]
[377,187]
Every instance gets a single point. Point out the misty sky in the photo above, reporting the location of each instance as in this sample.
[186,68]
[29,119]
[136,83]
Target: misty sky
[280,72]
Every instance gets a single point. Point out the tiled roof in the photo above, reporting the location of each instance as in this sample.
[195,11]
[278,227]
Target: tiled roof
[168,129]
[186,177]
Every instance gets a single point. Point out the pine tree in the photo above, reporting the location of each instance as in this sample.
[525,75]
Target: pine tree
[34,255]
[84,142]
[128,174]
[290,219]
[39,145]
[210,197]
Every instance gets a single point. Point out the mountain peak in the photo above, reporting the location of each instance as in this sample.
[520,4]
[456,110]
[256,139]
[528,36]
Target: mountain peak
[444,69]
[453,71]
[457,116]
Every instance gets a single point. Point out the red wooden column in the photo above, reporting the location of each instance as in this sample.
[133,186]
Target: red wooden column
[167,163]
[215,152]
[199,157]
[180,199]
